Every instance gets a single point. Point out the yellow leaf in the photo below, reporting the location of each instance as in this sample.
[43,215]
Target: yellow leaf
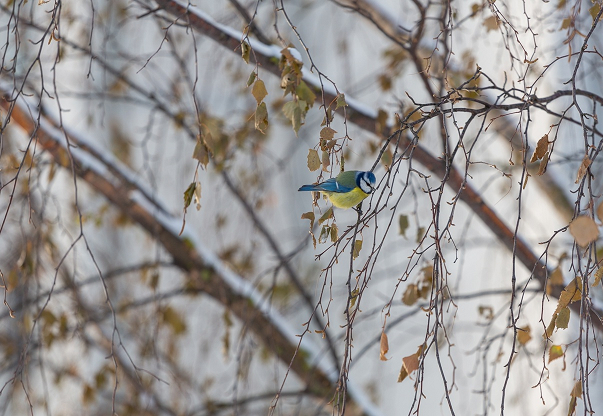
[566,23]
[251,78]
[584,230]
[259,91]
[583,168]
[384,347]
[594,11]
[313,160]
[188,194]
[327,215]
[334,234]
[555,352]
[524,335]
[570,294]
[563,317]
[550,328]
[357,248]
[304,93]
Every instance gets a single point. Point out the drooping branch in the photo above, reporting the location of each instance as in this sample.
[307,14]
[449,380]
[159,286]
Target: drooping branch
[366,118]
[205,271]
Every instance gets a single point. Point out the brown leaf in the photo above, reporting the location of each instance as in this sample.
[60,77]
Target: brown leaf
[583,168]
[327,133]
[541,148]
[543,164]
[524,335]
[384,347]
[571,293]
[584,230]
[411,295]
[313,160]
[491,23]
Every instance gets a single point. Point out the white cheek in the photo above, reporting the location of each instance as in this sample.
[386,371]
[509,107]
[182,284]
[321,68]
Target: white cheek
[366,188]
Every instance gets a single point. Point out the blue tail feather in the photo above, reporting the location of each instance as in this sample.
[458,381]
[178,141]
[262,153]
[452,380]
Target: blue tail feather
[309,188]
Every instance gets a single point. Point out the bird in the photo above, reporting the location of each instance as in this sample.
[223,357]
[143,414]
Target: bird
[346,190]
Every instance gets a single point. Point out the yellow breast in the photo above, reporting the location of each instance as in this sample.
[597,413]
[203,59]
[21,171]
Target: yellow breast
[348,199]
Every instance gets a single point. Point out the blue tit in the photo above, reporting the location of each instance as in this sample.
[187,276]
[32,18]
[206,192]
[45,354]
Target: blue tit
[347,190]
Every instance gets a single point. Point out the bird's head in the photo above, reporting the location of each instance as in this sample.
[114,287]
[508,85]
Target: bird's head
[366,181]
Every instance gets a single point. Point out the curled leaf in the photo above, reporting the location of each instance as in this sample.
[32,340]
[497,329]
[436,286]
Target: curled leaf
[384,347]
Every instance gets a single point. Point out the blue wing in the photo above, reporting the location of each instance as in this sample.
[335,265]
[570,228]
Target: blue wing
[330,185]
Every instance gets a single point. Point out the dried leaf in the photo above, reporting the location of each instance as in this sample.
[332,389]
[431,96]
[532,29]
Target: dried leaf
[600,212]
[594,11]
[334,234]
[251,78]
[327,215]
[188,194]
[491,23]
[201,153]
[384,347]
[326,161]
[340,101]
[541,148]
[584,230]
[543,164]
[304,93]
[261,118]
[245,51]
[410,363]
[550,328]
[486,311]
[327,133]
[411,295]
[575,395]
[354,297]
[583,168]
[357,248]
[293,111]
[571,293]
[598,275]
[555,352]
[313,160]
[259,91]
[524,335]
[403,223]
[309,216]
